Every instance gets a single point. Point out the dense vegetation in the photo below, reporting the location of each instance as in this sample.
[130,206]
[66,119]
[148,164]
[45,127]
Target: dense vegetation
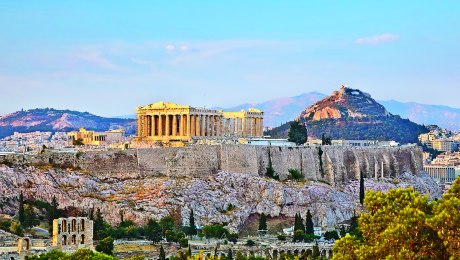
[403,224]
[86,254]
[376,128]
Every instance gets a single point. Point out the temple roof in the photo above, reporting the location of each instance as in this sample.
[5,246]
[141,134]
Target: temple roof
[255,110]
[163,105]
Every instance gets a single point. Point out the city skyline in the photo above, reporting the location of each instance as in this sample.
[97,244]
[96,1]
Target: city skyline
[83,56]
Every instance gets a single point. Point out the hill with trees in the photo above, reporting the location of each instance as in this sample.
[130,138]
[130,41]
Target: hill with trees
[352,114]
[53,120]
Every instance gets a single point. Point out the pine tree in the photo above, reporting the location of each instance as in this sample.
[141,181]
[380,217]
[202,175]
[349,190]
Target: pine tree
[309,226]
[192,229]
[21,214]
[262,222]
[361,189]
[189,251]
[153,231]
[162,253]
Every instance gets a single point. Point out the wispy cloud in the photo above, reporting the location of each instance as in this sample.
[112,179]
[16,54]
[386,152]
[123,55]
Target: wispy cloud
[377,39]
[97,59]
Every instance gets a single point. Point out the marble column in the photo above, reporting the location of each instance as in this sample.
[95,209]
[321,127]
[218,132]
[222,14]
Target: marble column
[192,125]
[188,125]
[262,126]
[167,126]
[203,125]
[174,126]
[154,125]
[181,125]
[160,125]
[197,125]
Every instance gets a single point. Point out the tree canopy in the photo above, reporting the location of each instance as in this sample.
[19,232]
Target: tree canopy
[297,133]
[402,224]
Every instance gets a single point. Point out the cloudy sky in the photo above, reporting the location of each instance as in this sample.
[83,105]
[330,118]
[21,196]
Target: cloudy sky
[107,58]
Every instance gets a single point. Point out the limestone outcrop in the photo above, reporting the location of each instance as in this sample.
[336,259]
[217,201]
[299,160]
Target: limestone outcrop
[151,183]
[331,164]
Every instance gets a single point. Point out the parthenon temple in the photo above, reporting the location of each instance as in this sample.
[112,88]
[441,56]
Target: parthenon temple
[169,122]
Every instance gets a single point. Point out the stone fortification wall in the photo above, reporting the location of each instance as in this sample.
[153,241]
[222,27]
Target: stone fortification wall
[335,165]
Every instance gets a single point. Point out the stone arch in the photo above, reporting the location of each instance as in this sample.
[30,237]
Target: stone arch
[64,240]
[27,243]
[330,253]
[323,252]
[74,239]
[296,252]
[82,225]
[275,254]
[64,225]
[82,239]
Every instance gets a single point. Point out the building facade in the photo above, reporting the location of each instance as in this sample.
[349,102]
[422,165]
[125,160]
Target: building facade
[95,138]
[71,234]
[169,122]
[442,173]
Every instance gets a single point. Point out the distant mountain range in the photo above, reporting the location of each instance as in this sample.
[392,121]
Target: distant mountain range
[48,119]
[277,112]
[353,115]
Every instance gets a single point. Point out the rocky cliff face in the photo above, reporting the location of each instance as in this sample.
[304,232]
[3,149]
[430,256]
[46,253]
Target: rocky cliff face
[155,197]
[144,190]
[345,103]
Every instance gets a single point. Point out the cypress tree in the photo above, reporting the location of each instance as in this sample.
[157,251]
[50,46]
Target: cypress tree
[98,225]
[192,230]
[296,222]
[230,254]
[262,222]
[21,214]
[189,251]
[309,224]
[162,253]
[361,188]
[316,253]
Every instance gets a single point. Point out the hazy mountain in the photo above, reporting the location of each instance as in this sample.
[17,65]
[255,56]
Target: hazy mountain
[280,110]
[355,115]
[443,116]
[59,120]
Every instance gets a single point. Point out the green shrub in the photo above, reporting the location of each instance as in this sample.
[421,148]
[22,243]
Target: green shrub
[295,174]
[281,237]
[250,242]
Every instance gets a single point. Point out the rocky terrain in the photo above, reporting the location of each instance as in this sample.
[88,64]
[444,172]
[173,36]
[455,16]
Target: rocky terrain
[155,196]
[354,115]
[344,103]
[59,120]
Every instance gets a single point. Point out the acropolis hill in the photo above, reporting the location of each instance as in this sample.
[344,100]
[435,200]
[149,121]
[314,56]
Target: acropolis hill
[151,182]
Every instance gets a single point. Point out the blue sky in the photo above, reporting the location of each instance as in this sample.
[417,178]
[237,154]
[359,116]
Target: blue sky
[107,57]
